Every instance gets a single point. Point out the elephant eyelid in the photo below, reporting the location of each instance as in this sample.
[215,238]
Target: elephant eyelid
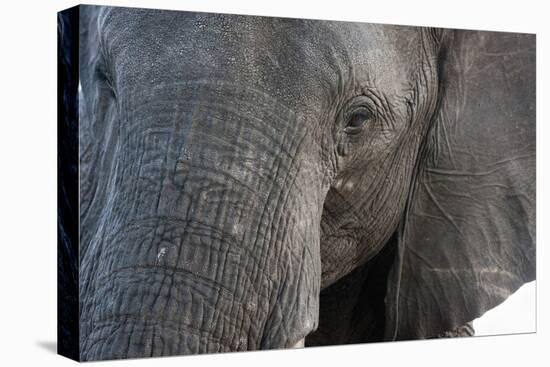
[360,111]
[356,120]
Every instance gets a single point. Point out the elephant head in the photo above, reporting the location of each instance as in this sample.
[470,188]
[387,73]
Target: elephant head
[246,181]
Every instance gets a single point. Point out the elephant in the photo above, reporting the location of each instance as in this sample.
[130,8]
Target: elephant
[253,182]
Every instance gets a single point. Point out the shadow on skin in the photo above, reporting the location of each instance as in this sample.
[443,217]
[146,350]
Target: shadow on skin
[48,345]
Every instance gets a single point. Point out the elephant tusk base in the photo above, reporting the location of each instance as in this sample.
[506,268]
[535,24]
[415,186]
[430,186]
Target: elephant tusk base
[299,344]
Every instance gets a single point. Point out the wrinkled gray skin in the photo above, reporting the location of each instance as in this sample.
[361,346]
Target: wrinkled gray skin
[248,182]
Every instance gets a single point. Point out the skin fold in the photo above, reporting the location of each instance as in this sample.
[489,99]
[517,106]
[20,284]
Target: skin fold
[250,182]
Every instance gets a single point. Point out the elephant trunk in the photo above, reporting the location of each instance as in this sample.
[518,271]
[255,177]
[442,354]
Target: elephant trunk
[209,241]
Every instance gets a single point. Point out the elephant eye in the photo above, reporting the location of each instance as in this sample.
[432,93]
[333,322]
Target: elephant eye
[356,120]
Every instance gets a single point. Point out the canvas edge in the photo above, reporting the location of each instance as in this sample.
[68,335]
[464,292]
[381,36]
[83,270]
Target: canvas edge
[68,344]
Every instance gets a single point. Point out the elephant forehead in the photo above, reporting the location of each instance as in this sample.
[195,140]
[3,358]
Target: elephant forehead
[301,63]
[383,56]
[291,59]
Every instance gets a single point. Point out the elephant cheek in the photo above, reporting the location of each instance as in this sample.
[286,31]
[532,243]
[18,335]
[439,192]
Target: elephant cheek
[207,244]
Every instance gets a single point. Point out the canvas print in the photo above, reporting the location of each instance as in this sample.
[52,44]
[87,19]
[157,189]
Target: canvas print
[231,183]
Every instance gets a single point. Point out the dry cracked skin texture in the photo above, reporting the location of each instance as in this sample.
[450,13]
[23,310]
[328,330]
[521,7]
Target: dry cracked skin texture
[248,182]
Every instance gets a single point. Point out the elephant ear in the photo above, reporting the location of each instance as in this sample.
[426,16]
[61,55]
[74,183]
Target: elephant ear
[467,240]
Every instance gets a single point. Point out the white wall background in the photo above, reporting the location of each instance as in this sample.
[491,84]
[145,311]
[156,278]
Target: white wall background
[28,187]
[516,315]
